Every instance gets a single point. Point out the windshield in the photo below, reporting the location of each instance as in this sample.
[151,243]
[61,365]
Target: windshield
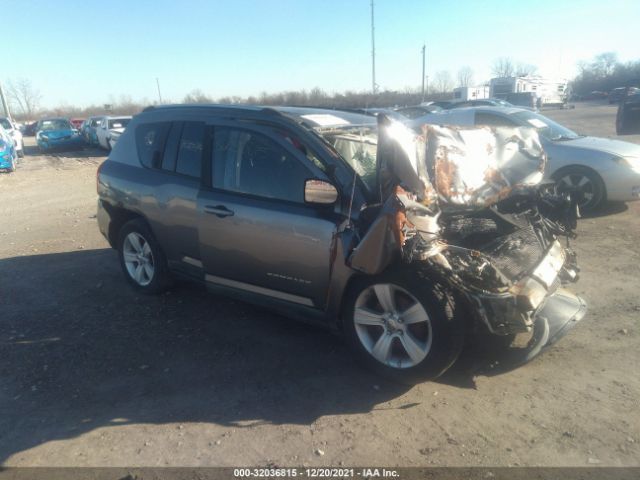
[358,146]
[118,123]
[57,124]
[5,124]
[545,126]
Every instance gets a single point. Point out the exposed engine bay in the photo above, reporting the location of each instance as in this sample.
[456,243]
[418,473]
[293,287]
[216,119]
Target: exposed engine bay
[468,207]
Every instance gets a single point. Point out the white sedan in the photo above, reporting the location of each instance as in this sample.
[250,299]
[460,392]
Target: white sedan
[600,168]
[15,133]
[110,129]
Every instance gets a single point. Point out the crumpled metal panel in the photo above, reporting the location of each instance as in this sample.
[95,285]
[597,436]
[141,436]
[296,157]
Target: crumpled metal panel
[478,166]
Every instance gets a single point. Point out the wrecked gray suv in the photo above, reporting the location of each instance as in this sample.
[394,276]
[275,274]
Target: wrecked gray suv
[407,242]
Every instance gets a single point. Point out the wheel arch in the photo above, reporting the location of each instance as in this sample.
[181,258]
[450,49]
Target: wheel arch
[119,217]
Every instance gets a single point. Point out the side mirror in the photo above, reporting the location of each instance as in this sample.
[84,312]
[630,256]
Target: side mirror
[320,192]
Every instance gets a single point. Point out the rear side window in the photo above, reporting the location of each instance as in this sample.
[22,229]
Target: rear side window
[150,139]
[189,160]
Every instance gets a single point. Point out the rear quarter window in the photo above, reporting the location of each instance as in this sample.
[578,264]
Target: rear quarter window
[150,140]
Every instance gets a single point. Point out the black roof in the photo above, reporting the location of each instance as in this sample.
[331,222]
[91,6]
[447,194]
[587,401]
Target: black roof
[311,116]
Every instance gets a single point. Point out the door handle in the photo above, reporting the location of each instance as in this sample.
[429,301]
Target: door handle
[219,211]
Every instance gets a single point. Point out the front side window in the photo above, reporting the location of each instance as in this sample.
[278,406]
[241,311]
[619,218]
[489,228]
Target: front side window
[249,162]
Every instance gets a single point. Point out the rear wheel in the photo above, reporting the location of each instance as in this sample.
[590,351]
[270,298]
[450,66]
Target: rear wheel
[403,327]
[142,259]
[584,182]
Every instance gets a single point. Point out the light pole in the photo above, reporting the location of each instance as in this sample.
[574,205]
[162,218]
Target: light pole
[424,47]
[5,107]
[159,96]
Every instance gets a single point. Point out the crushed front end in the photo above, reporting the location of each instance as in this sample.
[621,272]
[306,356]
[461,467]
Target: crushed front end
[467,207]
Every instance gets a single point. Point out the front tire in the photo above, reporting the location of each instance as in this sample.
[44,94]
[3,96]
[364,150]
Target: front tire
[402,326]
[587,182]
[141,258]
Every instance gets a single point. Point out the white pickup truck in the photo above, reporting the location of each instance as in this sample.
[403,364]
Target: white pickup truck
[110,129]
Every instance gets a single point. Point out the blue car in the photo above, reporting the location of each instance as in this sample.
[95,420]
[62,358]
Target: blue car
[8,153]
[57,133]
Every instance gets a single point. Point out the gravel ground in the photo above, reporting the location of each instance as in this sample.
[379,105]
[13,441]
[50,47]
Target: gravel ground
[92,374]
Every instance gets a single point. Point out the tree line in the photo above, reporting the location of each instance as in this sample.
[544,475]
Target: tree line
[603,73]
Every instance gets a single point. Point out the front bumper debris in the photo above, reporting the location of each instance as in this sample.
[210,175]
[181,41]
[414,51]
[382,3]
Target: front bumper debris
[561,312]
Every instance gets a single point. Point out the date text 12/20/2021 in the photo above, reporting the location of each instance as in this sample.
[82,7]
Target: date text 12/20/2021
[315,472]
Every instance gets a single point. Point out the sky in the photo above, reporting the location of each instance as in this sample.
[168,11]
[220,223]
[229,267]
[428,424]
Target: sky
[93,52]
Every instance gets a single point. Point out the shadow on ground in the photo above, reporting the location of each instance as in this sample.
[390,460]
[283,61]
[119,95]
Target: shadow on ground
[79,350]
[609,208]
[82,151]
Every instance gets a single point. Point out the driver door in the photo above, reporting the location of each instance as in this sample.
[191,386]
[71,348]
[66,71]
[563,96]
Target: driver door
[256,232]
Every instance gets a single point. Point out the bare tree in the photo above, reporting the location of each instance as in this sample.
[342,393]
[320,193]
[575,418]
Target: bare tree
[197,96]
[604,64]
[24,96]
[465,77]
[524,69]
[443,81]
[503,67]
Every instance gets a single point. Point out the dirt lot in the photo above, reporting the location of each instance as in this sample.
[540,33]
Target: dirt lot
[92,374]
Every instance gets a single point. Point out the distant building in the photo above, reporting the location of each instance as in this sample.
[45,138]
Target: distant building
[471,93]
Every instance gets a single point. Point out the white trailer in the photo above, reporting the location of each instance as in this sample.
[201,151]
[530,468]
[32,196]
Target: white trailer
[471,93]
[549,92]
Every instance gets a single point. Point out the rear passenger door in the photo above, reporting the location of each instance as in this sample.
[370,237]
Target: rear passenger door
[256,232]
[174,152]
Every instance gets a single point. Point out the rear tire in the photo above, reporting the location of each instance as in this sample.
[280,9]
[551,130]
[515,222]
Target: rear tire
[142,260]
[402,326]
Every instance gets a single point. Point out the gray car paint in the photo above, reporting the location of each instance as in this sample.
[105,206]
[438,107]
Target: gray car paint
[293,257]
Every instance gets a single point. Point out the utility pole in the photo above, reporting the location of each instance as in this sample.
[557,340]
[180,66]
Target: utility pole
[159,96]
[5,106]
[373,54]
[424,48]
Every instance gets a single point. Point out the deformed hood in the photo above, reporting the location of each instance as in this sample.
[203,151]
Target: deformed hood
[469,167]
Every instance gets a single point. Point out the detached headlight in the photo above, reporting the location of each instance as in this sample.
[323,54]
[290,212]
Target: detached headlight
[630,162]
[44,137]
[530,294]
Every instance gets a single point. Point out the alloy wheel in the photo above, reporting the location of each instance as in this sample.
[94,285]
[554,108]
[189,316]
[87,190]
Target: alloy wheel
[582,183]
[138,258]
[392,325]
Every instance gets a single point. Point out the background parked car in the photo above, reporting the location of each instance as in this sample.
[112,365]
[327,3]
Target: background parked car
[8,154]
[89,129]
[57,133]
[485,102]
[523,99]
[77,122]
[110,127]
[12,129]
[600,168]
[628,116]
[416,111]
[29,129]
